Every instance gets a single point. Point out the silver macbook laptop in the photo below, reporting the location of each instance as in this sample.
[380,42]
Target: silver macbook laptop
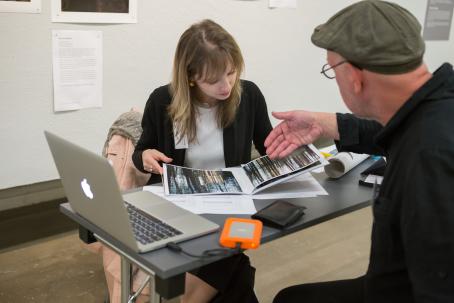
[141,220]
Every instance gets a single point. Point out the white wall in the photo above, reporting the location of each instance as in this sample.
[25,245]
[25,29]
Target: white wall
[137,58]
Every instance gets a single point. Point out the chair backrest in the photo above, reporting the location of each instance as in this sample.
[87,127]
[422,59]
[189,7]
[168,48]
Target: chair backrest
[119,146]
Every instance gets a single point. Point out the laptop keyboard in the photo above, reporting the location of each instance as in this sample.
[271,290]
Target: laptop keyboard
[148,229]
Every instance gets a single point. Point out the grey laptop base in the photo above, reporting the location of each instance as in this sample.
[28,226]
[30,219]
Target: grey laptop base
[145,222]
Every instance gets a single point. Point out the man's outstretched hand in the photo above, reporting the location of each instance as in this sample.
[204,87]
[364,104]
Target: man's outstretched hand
[297,128]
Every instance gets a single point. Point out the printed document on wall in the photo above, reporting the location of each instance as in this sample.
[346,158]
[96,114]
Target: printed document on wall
[77,69]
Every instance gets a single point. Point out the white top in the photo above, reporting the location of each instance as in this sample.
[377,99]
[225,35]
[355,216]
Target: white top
[207,151]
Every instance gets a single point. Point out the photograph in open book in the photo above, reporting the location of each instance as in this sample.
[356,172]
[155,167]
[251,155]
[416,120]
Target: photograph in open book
[263,169]
[183,180]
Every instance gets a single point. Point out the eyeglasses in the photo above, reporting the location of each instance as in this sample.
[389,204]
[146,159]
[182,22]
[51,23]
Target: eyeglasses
[328,70]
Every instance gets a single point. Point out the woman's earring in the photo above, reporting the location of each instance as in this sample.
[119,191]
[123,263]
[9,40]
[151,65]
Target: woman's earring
[191,84]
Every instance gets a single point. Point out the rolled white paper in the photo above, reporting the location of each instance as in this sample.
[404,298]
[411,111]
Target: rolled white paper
[342,163]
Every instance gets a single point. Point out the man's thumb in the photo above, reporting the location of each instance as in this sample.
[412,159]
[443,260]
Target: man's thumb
[282,115]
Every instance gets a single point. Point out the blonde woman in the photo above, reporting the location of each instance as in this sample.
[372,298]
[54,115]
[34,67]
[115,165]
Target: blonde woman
[206,118]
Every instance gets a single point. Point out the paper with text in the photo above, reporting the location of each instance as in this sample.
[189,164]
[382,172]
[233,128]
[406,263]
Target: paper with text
[302,186]
[77,69]
[225,204]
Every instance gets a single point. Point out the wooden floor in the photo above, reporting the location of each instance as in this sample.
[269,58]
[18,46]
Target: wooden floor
[59,269]
[337,249]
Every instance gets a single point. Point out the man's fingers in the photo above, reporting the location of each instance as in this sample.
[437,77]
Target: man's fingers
[282,115]
[288,150]
[273,135]
[279,129]
[278,150]
[273,144]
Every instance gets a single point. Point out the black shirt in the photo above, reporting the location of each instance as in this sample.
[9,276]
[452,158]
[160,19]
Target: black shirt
[412,252]
[251,124]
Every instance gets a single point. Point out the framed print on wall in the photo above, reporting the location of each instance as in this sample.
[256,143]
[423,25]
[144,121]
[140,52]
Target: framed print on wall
[20,6]
[94,11]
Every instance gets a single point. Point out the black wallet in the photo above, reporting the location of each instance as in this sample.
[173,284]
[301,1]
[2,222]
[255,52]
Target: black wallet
[377,168]
[279,214]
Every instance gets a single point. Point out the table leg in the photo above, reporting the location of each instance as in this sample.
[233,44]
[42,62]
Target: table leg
[125,279]
[154,296]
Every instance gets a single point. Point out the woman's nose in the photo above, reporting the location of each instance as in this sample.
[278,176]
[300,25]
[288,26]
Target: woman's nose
[225,84]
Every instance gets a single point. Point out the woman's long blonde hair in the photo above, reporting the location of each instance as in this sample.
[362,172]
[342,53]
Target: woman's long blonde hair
[204,50]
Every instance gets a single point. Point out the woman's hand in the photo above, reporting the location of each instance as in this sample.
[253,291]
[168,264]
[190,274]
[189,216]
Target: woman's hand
[151,159]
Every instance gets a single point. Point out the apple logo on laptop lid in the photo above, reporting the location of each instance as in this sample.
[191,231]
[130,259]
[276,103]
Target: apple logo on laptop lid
[86,189]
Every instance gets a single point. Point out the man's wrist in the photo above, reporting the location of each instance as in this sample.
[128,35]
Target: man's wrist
[328,124]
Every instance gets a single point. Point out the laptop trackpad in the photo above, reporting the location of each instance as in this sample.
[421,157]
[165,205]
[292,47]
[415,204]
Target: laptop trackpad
[156,206]
[141,198]
[166,211]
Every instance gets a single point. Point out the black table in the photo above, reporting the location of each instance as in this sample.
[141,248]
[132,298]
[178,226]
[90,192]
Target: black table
[168,268]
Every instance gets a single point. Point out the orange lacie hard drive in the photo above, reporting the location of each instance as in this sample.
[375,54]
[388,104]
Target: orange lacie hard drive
[246,232]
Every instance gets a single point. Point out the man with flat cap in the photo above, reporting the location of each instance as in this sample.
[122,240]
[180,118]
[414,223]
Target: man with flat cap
[406,113]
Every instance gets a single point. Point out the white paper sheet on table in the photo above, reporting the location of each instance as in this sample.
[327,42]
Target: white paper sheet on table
[303,186]
[372,179]
[210,204]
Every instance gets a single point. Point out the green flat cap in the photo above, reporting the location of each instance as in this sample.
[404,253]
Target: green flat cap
[378,36]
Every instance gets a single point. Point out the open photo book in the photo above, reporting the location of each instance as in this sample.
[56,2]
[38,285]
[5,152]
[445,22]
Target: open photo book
[249,178]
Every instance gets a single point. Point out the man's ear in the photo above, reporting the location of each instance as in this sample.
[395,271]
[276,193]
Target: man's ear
[356,78]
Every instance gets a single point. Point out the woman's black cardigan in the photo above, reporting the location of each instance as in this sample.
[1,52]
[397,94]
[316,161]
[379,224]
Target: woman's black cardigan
[251,125]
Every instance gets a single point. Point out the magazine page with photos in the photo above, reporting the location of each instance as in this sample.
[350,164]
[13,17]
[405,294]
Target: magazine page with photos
[250,178]
[179,180]
[264,172]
